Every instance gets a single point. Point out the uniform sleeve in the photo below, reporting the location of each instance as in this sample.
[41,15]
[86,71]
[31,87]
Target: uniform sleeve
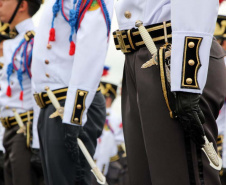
[91,50]
[193,24]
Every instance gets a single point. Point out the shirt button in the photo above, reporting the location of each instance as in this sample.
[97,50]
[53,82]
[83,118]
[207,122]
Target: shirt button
[46,62]
[128,14]
[49,46]
[79,106]
[47,75]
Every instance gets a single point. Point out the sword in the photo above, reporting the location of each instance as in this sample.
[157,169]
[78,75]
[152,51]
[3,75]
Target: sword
[18,119]
[59,112]
[56,104]
[214,160]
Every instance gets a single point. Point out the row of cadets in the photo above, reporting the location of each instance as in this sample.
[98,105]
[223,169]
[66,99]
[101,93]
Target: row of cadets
[16,92]
[220,34]
[5,34]
[68,57]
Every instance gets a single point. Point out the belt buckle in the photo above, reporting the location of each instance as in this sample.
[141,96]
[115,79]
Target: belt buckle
[3,122]
[121,41]
[38,100]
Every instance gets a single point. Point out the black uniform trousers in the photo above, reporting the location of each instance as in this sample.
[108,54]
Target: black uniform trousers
[158,151]
[17,165]
[59,168]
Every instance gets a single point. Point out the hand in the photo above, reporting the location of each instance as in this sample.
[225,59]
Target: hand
[191,116]
[70,138]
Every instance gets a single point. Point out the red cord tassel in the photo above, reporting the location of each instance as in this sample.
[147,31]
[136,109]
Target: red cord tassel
[52,34]
[105,73]
[72,48]
[8,92]
[21,95]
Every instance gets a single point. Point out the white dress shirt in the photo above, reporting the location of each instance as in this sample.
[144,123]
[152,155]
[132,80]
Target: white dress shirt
[13,102]
[108,142]
[221,123]
[8,103]
[2,129]
[81,71]
[188,17]
[116,123]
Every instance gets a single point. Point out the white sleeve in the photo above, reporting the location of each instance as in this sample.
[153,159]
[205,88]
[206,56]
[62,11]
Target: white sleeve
[193,24]
[89,59]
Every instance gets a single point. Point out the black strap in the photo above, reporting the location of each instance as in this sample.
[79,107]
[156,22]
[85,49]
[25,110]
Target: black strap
[15,11]
[189,160]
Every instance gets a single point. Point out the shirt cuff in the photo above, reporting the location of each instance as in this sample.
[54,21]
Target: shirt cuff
[76,106]
[190,61]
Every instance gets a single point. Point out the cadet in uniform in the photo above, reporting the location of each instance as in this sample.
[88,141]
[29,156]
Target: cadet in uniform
[5,34]
[72,71]
[117,172]
[162,150]
[220,34]
[16,96]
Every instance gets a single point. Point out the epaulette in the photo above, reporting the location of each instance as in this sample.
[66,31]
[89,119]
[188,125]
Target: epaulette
[29,35]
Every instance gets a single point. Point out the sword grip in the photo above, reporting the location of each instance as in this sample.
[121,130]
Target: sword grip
[148,41]
[18,118]
[52,98]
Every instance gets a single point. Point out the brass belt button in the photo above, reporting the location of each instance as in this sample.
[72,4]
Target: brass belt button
[191,44]
[47,75]
[46,62]
[79,106]
[191,62]
[127,14]
[189,81]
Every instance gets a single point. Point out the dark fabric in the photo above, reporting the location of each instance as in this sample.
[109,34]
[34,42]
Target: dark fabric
[223,177]
[155,143]
[59,168]
[115,171]
[1,168]
[17,166]
[37,167]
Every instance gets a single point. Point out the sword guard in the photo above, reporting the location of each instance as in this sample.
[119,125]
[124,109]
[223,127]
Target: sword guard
[58,112]
[153,61]
[211,154]
[21,130]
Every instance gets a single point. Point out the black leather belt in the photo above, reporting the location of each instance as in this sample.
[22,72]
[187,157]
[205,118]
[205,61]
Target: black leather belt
[43,100]
[130,40]
[8,122]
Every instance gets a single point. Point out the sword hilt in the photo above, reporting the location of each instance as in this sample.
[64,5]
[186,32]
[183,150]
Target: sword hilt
[148,41]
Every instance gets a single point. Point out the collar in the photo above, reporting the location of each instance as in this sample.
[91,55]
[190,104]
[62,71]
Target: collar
[25,26]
